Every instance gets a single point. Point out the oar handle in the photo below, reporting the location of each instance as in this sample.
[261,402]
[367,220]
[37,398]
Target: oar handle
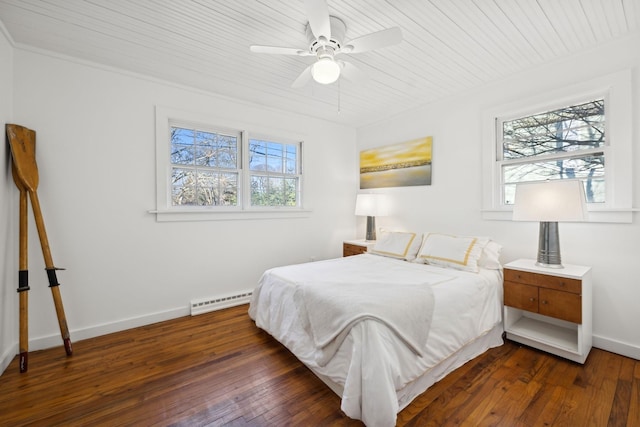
[23,283]
[51,272]
[24,329]
[42,232]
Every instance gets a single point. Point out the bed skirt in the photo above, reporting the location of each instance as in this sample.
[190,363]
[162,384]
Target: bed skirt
[491,339]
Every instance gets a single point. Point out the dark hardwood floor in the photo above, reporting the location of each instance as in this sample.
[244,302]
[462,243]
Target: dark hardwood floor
[219,369]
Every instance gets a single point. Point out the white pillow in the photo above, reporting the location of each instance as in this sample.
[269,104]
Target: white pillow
[490,257]
[445,250]
[396,244]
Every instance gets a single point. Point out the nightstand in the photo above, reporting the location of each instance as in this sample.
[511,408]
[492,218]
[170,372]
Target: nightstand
[356,247]
[549,309]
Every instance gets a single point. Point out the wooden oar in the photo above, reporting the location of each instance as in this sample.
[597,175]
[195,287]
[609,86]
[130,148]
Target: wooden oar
[23,148]
[23,274]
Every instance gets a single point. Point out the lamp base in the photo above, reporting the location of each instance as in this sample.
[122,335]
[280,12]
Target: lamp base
[371,228]
[549,246]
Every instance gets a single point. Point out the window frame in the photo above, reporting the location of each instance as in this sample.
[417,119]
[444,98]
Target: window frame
[615,89]
[166,117]
[238,170]
[299,172]
[499,145]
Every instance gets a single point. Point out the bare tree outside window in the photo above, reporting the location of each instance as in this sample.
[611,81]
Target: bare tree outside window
[204,168]
[566,143]
[207,170]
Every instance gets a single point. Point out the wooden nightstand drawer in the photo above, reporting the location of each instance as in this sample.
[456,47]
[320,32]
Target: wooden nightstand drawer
[544,280]
[538,293]
[348,249]
[356,247]
[561,305]
[524,297]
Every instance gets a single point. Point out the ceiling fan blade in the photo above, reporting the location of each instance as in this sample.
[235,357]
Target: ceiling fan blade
[276,50]
[318,15]
[352,73]
[375,40]
[302,79]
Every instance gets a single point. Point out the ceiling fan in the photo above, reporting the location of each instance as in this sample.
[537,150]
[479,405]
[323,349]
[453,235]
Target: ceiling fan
[325,35]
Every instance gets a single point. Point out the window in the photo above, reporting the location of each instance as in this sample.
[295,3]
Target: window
[274,173]
[563,143]
[205,171]
[582,131]
[205,167]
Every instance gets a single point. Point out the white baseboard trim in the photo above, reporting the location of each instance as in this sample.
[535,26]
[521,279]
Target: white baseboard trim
[617,347]
[54,340]
[8,356]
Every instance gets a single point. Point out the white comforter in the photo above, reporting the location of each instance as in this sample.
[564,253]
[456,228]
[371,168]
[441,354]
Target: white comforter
[375,355]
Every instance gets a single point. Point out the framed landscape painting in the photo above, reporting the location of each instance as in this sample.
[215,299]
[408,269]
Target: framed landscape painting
[397,165]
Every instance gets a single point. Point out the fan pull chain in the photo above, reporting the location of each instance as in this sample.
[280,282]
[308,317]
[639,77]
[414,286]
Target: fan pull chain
[339,96]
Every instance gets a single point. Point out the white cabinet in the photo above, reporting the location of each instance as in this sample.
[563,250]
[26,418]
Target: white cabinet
[549,308]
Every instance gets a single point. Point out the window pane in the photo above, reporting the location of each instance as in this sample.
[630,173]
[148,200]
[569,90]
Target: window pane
[181,154]
[274,157]
[259,190]
[182,136]
[291,160]
[228,189]
[291,191]
[183,189]
[206,188]
[576,127]
[257,155]
[217,189]
[274,191]
[205,156]
[588,169]
[205,138]
[181,146]
[227,152]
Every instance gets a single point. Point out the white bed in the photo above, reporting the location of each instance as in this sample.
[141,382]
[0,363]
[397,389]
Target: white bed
[379,363]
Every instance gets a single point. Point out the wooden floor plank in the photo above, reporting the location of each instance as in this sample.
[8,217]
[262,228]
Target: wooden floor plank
[220,369]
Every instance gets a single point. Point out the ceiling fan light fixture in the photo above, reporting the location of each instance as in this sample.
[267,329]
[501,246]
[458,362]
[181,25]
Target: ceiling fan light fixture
[325,71]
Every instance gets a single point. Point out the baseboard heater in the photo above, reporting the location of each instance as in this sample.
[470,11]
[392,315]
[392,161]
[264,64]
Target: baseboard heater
[217,303]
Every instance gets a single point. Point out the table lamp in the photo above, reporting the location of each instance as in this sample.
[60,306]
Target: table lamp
[371,205]
[550,202]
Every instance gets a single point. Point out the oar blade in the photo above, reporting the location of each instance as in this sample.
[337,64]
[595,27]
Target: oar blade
[23,150]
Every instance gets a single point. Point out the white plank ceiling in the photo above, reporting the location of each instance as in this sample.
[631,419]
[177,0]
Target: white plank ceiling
[449,45]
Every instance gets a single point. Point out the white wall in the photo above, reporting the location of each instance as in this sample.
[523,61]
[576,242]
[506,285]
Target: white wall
[96,158]
[8,215]
[453,202]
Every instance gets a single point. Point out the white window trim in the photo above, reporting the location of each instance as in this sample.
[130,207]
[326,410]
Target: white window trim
[616,89]
[166,212]
[247,182]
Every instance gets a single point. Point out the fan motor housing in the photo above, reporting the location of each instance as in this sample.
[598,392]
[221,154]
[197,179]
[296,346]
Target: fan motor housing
[338,30]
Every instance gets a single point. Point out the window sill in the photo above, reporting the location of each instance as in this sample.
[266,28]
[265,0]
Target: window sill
[209,215]
[612,215]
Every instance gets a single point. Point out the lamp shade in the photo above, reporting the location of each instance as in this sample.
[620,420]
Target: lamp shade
[371,205]
[550,201]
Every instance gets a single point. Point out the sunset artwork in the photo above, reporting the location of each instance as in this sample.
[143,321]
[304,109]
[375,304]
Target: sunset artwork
[397,165]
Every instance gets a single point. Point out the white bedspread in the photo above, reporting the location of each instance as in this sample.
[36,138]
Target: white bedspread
[335,307]
[375,358]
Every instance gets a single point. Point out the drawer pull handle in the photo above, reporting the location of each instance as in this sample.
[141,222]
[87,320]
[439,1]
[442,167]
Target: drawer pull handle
[532,299]
[544,302]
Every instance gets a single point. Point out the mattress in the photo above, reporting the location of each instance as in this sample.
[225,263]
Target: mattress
[373,370]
